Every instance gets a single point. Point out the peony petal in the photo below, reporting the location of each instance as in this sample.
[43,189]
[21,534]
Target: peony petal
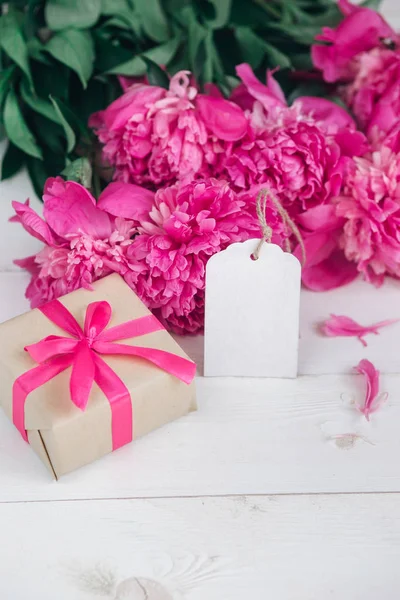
[225,119]
[134,101]
[324,110]
[269,95]
[324,58]
[29,263]
[318,247]
[332,273]
[384,115]
[320,218]
[96,119]
[241,96]
[32,223]
[360,31]
[351,143]
[69,209]
[126,200]
[366,368]
[275,88]
[341,326]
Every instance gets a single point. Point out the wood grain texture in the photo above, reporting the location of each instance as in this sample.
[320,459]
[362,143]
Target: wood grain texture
[248,437]
[243,548]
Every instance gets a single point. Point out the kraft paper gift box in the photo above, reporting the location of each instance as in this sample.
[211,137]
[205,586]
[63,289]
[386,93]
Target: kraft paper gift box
[67,437]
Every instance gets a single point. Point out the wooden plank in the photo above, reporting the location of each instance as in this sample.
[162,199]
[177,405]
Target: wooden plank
[255,436]
[289,548]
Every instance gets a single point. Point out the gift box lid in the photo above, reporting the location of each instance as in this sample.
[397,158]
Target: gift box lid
[50,405]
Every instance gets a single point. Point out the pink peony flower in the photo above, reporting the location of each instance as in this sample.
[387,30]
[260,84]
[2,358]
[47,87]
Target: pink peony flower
[185,226]
[361,30]
[370,207]
[299,151]
[374,93]
[155,136]
[82,242]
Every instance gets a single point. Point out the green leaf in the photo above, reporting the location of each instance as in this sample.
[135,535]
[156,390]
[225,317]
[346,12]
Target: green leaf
[54,79]
[304,34]
[329,18]
[13,161]
[254,49]
[5,79]
[210,59]
[62,14]
[302,61]
[38,104]
[276,58]
[153,19]
[50,136]
[38,174]
[79,170]
[126,20]
[16,128]
[247,14]
[222,10]
[251,46]
[161,55]
[155,74]
[114,7]
[109,53]
[13,43]
[69,133]
[75,49]
[36,51]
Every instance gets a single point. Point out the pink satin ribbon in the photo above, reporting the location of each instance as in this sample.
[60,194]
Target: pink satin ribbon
[55,354]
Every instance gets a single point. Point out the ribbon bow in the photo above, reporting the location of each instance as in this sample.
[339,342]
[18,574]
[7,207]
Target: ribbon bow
[55,354]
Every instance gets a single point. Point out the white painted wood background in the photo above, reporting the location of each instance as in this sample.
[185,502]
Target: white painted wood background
[274,489]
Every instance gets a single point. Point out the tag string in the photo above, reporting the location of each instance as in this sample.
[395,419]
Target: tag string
[261,204]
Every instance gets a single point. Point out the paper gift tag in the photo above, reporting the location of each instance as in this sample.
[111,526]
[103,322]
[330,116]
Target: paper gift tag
[252,312]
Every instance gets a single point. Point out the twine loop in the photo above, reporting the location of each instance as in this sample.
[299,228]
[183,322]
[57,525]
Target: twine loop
[261,205]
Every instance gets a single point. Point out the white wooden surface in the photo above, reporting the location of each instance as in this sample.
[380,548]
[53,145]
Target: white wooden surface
[231,548]
[274,489]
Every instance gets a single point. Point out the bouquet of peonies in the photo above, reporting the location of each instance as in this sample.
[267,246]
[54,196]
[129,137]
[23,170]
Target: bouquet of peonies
[178,164]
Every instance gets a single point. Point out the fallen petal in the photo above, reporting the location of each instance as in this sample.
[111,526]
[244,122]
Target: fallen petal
[342,326]
[371,402]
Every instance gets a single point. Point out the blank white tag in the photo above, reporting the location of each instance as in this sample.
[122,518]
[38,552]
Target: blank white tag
[252,312]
